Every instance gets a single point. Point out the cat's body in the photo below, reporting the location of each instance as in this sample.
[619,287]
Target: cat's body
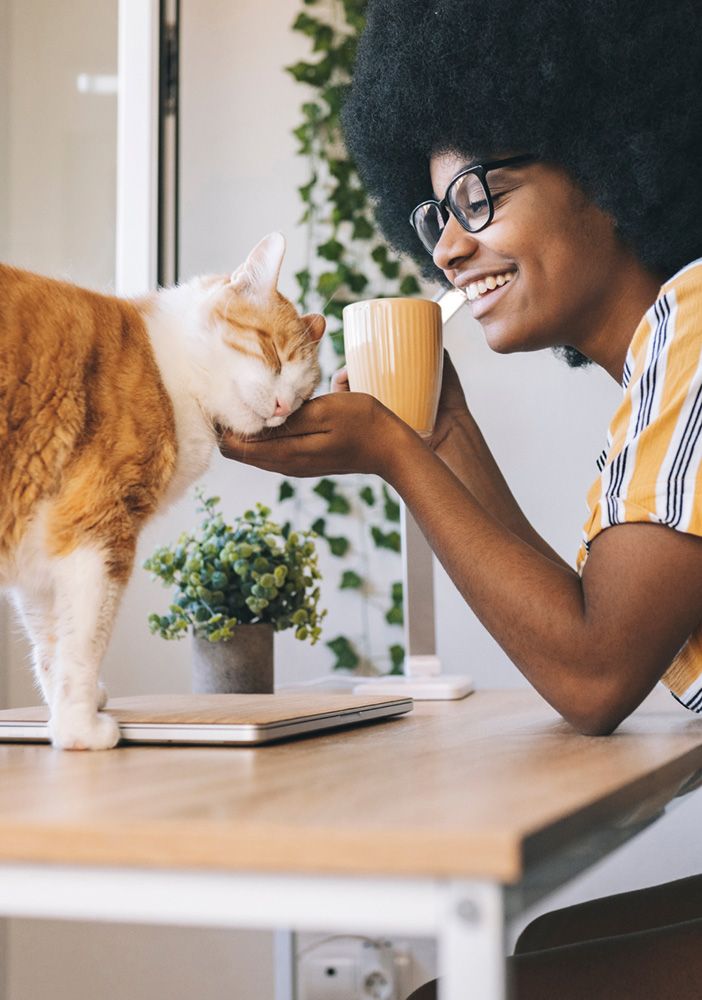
[109,411]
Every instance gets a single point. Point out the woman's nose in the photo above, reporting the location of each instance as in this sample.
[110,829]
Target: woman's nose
[455,244]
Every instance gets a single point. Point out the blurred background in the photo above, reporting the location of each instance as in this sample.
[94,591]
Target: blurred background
[234,175]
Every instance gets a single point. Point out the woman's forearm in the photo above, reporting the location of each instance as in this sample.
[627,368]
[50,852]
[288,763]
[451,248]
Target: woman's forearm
[532,604]
[464,450]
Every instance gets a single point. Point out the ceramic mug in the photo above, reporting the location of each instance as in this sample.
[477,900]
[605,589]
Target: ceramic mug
[394,351]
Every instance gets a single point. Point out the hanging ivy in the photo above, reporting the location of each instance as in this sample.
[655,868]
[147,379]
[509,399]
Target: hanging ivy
[346,259]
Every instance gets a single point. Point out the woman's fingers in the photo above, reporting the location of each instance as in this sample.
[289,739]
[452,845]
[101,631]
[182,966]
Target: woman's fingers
[340,380]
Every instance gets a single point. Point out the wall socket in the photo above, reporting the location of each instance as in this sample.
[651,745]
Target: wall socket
[360,968]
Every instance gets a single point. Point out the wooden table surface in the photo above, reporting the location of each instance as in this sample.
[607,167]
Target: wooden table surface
[476,788]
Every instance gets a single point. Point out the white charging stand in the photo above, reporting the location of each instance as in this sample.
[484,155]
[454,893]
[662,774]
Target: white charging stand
[422,677]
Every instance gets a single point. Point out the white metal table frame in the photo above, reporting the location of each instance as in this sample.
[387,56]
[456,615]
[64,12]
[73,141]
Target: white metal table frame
[465,917]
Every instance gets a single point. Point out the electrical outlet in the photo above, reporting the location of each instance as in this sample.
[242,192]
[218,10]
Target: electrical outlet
[356,967]
[350,968]
[328,976]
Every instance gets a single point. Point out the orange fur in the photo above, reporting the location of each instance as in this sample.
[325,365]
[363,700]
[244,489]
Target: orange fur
[85,421]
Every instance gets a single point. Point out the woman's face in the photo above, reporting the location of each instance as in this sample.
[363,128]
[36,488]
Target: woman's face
[561,251]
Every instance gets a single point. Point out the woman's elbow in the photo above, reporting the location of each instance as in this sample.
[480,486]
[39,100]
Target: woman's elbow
[599,712]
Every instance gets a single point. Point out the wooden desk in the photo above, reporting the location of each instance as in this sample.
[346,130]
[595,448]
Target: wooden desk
[441,823]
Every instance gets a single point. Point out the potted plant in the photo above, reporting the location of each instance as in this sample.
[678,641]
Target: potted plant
[235,585]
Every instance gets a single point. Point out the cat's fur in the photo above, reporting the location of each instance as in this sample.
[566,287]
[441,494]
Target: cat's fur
[109,410]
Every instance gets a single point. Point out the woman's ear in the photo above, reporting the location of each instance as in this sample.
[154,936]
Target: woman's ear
[315,325]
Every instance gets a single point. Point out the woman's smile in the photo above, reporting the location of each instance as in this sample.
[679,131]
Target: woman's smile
[483,293]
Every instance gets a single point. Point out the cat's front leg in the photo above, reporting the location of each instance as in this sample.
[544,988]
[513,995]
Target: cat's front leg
[86,604]
[35,609]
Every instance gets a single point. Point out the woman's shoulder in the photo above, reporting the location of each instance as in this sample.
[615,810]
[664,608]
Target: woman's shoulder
[687,280]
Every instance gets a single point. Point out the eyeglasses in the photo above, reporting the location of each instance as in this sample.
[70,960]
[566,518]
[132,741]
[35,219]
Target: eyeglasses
[467,198]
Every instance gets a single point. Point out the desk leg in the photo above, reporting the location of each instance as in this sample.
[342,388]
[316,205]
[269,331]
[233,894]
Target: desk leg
[4,964]
[284,947]
[471,943]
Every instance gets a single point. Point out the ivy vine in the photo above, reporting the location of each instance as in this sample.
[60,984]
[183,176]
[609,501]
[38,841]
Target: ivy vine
[346,258]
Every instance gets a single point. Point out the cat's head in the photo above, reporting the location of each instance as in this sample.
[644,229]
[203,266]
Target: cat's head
[262,354]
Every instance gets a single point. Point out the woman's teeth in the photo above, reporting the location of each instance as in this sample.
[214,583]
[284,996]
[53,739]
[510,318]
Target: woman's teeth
[488,284]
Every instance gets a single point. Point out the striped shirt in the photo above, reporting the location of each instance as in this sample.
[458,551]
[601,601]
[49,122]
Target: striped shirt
[651,469]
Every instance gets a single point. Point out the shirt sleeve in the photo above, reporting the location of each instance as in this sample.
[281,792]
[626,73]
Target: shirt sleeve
[653,469]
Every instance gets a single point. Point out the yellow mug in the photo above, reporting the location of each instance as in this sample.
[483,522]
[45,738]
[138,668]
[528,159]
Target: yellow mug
[394,351]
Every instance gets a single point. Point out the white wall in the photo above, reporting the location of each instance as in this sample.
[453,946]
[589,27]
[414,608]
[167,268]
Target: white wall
[545,423]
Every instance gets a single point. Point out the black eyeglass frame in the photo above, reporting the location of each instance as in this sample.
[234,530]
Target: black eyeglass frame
[445,207]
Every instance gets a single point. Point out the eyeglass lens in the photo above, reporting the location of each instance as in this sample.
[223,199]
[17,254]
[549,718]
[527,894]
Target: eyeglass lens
[468,201]
[429,224]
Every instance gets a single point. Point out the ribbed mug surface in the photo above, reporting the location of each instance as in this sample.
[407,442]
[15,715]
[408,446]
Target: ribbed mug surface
[394,351]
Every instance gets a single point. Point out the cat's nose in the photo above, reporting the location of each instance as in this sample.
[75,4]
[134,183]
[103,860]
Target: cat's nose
[281,409]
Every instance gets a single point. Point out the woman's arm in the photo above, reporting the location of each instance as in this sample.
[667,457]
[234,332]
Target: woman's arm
[594,647]
[458,441]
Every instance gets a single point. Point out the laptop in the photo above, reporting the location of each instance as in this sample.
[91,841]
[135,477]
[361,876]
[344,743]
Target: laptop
[219,719]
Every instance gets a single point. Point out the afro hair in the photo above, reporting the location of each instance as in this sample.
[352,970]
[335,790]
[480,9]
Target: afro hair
[610,90]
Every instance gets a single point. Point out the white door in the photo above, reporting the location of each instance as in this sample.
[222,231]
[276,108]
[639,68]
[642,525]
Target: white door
[146,209]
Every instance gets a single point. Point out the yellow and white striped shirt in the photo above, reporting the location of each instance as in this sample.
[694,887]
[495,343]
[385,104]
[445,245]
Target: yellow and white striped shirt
[651,469]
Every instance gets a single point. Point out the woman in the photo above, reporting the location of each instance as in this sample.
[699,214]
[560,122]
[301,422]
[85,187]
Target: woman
[549,155]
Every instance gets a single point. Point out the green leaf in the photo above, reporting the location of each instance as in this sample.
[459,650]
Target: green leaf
[356,281]
[396,592]
[336,308]
[367,495]
[303,279]
[306,24]
[379,254]
[362,229]
[346,656]
[331,250]
[323,39]
[315,74]
[325,488]
[350,580]
[334,97]
[391,507]
[337,339]
[341,169]
[409,285]
[397,658]
[391,269]
[319,527]
[328,282]
[285,491]
[305,191]
[390,540]
[339,505]
[338,545]
[312,111]
[395,616]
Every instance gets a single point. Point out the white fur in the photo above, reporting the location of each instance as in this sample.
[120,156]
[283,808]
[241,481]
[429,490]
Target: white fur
[210,383]
[67,607]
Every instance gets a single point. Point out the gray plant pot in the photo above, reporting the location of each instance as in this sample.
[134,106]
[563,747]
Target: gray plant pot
[241,665]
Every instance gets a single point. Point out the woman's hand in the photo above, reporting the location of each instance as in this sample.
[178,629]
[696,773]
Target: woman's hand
[453,408]
[330,435]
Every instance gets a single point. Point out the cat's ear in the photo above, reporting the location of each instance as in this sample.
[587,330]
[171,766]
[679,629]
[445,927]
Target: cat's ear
[315,325]
[258,275]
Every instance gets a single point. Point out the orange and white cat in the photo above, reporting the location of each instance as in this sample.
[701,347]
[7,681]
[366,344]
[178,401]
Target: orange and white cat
[108,411]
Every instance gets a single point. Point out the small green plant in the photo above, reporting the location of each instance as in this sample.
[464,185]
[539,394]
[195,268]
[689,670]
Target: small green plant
[251,572]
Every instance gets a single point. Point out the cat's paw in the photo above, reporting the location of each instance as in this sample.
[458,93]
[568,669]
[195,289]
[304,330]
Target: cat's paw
[74,729]
[102,695]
